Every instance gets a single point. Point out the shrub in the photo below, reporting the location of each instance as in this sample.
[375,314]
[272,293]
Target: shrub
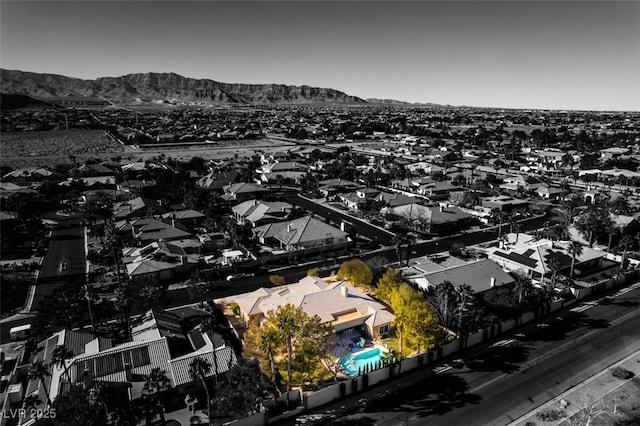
[313,272]
[355,271]
[235,308]
[551,415]
[621,373]
[277,280]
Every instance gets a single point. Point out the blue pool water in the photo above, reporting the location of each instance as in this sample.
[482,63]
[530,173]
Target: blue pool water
[352,363]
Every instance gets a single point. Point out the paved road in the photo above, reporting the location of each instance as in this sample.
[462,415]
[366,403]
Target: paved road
[66,247]
[497,385]
[65,261]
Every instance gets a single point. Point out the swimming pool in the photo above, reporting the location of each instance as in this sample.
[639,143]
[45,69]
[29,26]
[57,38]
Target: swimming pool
[358,361]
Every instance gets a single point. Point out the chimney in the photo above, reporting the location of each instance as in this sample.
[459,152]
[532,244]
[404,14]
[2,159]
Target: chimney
[127,373]
[441,208]
[493,282]
[289,227]
[344,291]
[173,220]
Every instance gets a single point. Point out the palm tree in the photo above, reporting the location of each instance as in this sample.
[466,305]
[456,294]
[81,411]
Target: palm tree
[59,358]
[154,383]
[625,242]
[198,370]
[554,266]
[496,215]
[523,286]
[123,302]
[31,402]
[269,342]
[38,371]
[575,250]
[90,297]
[466,296]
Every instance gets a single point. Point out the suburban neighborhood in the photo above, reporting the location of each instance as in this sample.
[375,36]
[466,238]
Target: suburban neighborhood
[305,256]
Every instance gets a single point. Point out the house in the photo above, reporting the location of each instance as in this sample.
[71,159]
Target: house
[217,181]
[158,261]
[613,152]
[25,174]
[338,304]
[331,187]
[305,233]
[149,229]
[628,225]
[214,240]
[394,199]
[94,170]
[359,199]
[280,178]
[135,208]
[537,260]
[505,204]
[165,340]
[259,213]
[434,219]
[244,191]
[548,192]
[189,218]
[481,275]
[437,190]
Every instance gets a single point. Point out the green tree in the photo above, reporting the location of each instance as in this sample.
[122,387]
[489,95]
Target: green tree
[388,283]
[313,272]
[357,272]
[414,317]
[198,370]
[243,391]
[301,335]
[155,383]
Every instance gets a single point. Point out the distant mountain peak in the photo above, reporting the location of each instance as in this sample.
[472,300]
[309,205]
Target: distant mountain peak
[154,87]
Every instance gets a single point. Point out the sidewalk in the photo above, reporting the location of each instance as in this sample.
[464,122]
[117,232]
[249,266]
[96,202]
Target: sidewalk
[587,393]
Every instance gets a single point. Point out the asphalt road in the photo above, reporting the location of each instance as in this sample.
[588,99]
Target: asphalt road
[66,246]
[65,260]
[496,385]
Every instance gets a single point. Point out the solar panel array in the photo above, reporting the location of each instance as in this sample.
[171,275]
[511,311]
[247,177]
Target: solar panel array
[113,362]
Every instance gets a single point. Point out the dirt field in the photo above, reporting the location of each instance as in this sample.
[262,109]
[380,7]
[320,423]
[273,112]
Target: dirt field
[50,148]
[34,148]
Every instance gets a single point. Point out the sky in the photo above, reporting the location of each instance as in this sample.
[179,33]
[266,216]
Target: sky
[548,55]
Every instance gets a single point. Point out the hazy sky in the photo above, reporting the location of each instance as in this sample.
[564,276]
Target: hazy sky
[565,55]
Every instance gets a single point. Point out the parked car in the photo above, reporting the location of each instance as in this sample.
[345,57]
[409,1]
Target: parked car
[235,277]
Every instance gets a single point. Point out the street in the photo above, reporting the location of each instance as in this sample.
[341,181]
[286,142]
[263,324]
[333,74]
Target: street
[498,381]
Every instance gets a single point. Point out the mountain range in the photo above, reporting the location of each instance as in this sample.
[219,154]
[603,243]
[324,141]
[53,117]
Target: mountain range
[165,88]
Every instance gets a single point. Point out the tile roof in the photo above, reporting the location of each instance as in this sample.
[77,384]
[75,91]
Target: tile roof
[475,274]
[315,296]
[244,188]
[299,231]
[221,359]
